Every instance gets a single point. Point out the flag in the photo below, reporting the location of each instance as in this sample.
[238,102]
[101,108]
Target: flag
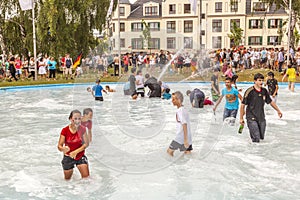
[26,4]
[194,5]
[110,9]
[77,61]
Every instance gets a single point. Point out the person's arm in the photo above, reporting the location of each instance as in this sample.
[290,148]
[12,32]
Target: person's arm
[284,77]
[61,146]
[81,148]
[242,113]
[90,135]
[240,97]
[218,102]
[273,104]
[213,87]
[185,136]
[104,91]
[276,90]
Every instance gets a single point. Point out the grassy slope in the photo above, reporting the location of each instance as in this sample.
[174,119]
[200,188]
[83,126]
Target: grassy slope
[246,76]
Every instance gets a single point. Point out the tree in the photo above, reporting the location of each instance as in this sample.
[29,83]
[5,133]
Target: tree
[295,13]
[236,34]
[61,26]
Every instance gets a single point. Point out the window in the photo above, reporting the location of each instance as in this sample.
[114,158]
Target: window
[187,8]
[234,6]
[122,42]
[255,23]
[154,43]
[218,7]
[217,42]
[151,10]
[172,9]
[122,11]
[255,40]
[188,42]
[171,43]
[237,22]
[137,43]
[188,26]
[171,27]
[274,40]
[217,25]
[154,26]
[114,43]
[114,27]
[122,27]
[136,27]
[259,6]
[275,23]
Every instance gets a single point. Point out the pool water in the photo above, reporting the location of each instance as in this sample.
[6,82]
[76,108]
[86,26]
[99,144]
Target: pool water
[127,157]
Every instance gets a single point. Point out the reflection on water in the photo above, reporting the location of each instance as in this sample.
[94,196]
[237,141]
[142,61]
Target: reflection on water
[127,156]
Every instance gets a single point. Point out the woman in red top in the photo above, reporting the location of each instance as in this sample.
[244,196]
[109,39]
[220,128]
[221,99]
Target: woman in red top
[72,142]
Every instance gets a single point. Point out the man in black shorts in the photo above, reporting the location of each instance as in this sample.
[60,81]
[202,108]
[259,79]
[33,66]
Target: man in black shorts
[255,98]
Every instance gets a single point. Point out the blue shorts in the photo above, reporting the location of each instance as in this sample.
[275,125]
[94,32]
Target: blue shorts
[68,162]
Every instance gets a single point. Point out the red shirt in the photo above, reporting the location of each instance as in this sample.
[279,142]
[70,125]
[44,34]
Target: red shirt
[18,64]
[74,140]
[87,124]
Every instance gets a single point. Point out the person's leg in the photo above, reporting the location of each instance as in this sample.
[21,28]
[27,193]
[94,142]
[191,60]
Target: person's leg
[254,130]
[292,86]
[262,129]
[68,174]
[84,170]
[170,152]
[226,113]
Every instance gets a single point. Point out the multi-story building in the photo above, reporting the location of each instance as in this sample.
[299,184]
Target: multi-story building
[175,24]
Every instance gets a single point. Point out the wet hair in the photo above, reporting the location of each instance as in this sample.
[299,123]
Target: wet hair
[234,78]
[167,90]
[98,81]
[258,76]
[107,87]
[147,75]
[133,70]
[271,74]
[178,95]
[86,111]
[188,92]
[74,112]
[228,79]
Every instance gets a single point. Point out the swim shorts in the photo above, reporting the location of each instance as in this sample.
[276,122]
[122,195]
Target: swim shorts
[68,162]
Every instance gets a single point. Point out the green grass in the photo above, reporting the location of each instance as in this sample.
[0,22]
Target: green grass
[246,76]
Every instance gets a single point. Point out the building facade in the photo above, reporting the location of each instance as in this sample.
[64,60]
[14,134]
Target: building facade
[175,25]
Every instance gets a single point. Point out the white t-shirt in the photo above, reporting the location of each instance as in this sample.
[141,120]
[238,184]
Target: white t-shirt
[182,117]
[140,80]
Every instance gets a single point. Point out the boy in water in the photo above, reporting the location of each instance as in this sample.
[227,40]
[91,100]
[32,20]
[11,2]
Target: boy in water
[86,121]
[183,140]
[97,91]
[272,86]
[291,72]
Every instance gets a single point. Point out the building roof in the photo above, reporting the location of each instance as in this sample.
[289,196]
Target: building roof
[124,2]
[137,9]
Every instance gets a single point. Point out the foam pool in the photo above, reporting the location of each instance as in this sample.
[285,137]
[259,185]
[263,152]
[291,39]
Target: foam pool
[127,157]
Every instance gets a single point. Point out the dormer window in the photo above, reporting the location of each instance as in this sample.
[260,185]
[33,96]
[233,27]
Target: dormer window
[122,11]
[259,6]
[151,10]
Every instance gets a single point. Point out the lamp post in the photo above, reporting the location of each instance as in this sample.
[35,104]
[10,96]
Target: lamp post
[289,33]
[34,40]
[119,39]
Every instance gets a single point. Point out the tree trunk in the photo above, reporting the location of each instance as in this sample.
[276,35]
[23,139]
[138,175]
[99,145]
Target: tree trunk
[293,25]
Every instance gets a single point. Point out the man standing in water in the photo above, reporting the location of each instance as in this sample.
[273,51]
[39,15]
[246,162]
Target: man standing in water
[255,98]
[183,140]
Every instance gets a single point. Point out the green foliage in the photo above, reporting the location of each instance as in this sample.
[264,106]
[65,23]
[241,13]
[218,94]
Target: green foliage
[61,26]
[236,34]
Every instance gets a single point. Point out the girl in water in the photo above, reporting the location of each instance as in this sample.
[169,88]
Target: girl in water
[72,142]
